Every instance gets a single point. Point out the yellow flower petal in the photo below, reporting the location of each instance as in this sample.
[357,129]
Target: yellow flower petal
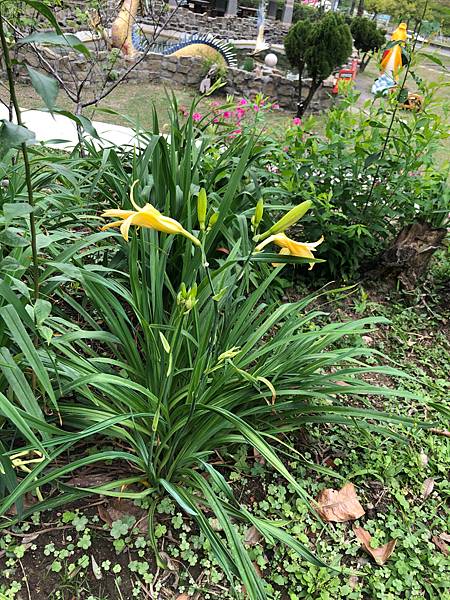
[113,224]
[116,212]
[125,227]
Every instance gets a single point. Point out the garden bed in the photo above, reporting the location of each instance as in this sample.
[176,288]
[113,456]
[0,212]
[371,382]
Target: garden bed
[90,550]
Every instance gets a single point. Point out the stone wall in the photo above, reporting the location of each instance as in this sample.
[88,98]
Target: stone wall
[280,89]
[73,68]
[234,28]
[178,71]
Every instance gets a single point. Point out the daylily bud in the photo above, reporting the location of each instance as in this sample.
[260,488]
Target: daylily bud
[187,298]
[213,220]
[193,291]
[202,205]
[289,219]
[259,210]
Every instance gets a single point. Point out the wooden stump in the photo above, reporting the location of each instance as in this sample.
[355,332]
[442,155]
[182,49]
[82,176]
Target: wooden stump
[407,259]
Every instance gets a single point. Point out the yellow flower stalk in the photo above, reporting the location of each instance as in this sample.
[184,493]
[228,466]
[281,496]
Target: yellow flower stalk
[146,216]
[291,247]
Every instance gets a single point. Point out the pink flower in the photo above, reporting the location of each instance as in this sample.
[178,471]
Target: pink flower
[256,108]
[242,101]
[240,113]
[235,133]
[215,104]
[216,120]
[197,117]
[226,114]
[276,106]
[296,121]
[286,149]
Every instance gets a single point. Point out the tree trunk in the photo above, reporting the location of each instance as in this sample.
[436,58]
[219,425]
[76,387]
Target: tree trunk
[407,259]
[352,7]
[307,101]
[360,11]
[301,68]
[364,62]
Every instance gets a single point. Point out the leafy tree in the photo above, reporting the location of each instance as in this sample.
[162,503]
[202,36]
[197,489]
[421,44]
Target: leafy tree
[296,45]
[330,45]
[377,7]
[304,12]
[408,11]
[319,47]
[367,38]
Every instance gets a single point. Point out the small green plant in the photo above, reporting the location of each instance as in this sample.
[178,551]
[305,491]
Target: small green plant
[248,64]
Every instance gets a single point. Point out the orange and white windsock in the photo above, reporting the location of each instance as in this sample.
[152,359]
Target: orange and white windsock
[391,62]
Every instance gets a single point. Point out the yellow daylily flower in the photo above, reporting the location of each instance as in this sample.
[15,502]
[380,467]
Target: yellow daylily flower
[291,247]
[146,216]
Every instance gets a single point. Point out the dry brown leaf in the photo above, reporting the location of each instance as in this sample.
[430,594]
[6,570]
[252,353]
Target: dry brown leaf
[183,597]
[117,509]
[252,536]
[28,501]
[443,432]
[423,458]
[381,554]
[439,543]
[258,458]
[445,537]
[428,487]
[339,506]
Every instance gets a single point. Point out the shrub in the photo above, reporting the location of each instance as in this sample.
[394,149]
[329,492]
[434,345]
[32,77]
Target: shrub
[367,38]
[363,200]
[320,47]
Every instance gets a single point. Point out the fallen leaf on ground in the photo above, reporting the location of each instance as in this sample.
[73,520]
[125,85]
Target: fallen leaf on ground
[428,487]
[439,543]
[445,537]
[252,536]
[118,509]
[95,568]
[381,554]
[183,597]
[443,432]
[339,506]
[423,458]
[258,458]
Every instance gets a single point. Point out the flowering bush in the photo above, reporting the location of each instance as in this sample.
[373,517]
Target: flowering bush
[363,199]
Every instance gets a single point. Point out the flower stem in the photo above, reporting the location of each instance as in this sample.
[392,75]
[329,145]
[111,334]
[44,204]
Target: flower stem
[26,162]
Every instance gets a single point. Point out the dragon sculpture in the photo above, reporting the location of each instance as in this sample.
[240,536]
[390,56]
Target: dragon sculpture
[129,38]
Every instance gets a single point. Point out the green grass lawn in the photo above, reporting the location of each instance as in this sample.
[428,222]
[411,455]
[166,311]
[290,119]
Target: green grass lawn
[135,101]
